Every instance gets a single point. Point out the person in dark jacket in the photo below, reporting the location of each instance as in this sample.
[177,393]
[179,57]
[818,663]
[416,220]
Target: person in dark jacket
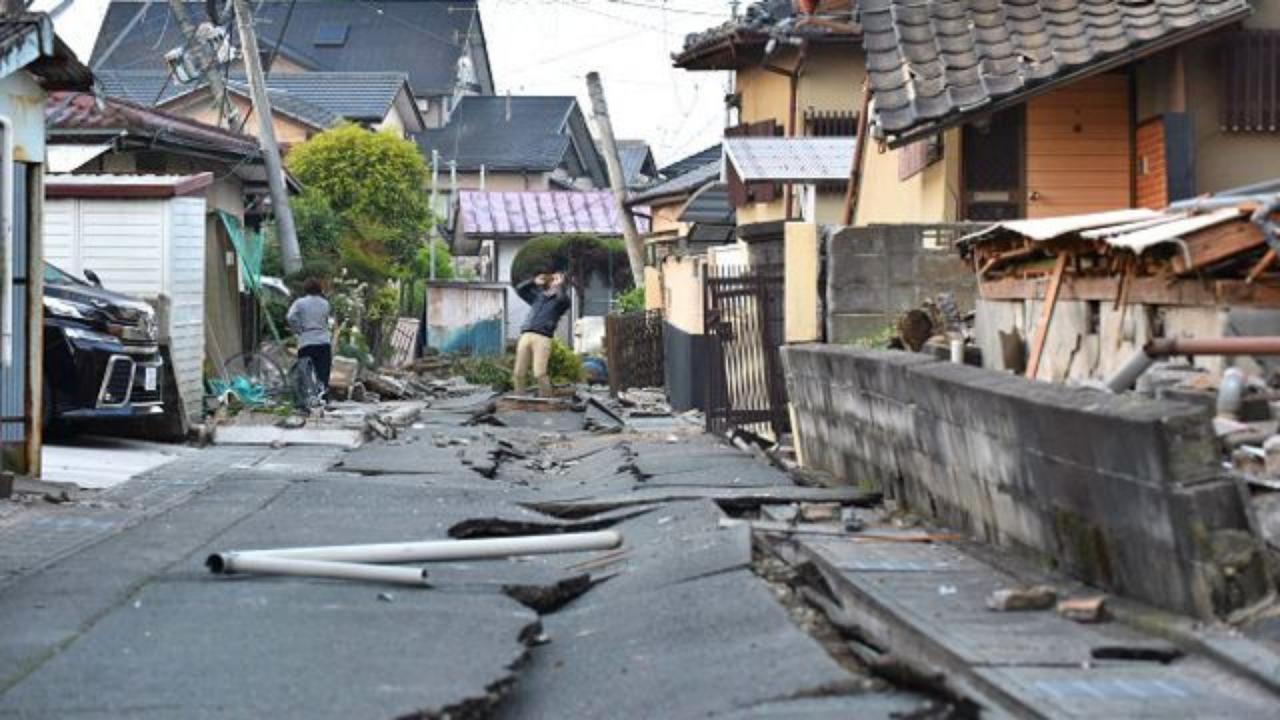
[548,299]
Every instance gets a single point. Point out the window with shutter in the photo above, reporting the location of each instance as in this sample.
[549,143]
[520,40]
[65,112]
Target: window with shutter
[914,158]
[1250,81]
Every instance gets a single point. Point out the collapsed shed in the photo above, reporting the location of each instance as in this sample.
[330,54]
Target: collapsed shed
[1071,298]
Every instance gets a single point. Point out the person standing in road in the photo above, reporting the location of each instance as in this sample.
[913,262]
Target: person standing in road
[308,318]
[548,299]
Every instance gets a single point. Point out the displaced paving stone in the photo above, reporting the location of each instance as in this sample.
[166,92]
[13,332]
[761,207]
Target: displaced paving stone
[1040,597]
[1084,610]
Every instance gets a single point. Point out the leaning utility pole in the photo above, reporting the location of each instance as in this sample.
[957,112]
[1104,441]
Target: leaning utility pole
[635,246]
[289,251]
[206,66]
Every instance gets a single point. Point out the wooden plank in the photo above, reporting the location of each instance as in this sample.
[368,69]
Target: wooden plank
[1109,180]
[1239,292]
[1046,314]
[1142,291]
[1267,260]
[1215,244]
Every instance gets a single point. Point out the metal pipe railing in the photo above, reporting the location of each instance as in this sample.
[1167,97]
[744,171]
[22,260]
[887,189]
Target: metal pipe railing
[1172,347]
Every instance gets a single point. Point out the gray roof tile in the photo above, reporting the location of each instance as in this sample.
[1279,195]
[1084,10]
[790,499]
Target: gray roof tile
[534,136]
[422,39]
[931,64]
[319,98]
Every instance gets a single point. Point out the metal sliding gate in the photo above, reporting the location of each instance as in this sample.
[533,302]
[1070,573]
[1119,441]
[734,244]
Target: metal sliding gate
[746,388]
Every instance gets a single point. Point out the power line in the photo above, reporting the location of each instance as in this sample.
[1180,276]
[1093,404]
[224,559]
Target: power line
[667,8]
[615,18]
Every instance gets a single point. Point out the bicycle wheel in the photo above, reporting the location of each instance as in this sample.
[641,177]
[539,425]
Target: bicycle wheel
[259,369]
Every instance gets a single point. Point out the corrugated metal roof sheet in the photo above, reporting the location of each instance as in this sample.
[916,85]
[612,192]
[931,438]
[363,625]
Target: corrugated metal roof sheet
[125,186]
[538,212]
[1135,229]
[1139,240]
[1041,229]
[793,159]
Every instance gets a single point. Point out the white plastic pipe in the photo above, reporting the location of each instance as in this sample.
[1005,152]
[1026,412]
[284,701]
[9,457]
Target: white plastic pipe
[6,219]
[438,550]
[263,564]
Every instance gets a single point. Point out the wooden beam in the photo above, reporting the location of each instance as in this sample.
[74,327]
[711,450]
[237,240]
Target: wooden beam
[1215,244]
[1046,314]
[1143,290]
[1263,264]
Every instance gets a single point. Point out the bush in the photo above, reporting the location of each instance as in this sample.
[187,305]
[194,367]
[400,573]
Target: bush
[564,366]
[578,256]
[630,301]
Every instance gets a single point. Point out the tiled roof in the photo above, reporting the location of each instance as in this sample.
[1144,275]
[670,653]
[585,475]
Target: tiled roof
[691,162]
[423,39]
[47,57]
[489,213]
[504,133]
[794,159]
[78,115]
[352,95]
[933,64]
[760,21]
[317,98]
[637,162]
[710,204]
[681,184]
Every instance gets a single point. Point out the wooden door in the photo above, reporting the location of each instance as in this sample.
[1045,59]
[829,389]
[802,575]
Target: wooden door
[1079,148]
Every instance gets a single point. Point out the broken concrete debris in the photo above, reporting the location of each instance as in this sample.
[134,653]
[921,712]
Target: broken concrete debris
[1039,597]
[1085,609]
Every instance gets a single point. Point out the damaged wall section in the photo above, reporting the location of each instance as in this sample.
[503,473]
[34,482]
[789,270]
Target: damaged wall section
[1122,492]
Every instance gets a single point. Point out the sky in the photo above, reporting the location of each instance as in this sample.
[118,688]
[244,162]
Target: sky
[547,47]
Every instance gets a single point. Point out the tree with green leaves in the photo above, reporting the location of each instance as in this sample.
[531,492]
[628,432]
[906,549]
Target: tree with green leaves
[375,182]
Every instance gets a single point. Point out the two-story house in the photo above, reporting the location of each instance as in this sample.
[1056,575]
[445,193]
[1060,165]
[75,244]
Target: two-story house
[793,77]
[439,45]
[993,111]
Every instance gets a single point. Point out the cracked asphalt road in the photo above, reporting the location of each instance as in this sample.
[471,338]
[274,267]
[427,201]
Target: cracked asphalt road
[129,624]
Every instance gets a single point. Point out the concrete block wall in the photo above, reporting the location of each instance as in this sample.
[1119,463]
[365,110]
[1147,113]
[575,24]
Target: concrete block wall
[1122,492]
[876,273]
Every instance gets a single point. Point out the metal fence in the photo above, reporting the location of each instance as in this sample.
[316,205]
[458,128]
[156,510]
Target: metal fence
[633,343]
[745,317]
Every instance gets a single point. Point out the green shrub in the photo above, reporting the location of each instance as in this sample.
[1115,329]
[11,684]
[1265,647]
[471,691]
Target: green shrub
[630,301]
[564,366]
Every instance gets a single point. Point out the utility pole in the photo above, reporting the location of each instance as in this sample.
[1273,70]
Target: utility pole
[635,246]
[435,178]
[205,65]
[291,254]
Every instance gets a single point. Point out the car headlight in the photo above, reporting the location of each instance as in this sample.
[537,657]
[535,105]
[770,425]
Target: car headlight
[87,335]
[65,308]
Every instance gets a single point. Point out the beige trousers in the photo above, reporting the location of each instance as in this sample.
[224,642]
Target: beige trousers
[533,349]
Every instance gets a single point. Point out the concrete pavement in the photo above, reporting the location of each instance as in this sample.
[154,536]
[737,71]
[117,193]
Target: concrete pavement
[107,611]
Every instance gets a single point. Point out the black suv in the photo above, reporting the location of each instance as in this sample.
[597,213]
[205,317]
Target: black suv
[101,353]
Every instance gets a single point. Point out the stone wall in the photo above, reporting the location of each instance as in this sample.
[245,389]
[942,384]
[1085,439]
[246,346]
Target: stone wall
[1122,492]
[876,273]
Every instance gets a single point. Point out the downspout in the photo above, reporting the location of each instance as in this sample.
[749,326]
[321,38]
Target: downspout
[794,80]
[6,217]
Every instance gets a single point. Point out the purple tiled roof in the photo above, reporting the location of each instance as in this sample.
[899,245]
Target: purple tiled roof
[538,212]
